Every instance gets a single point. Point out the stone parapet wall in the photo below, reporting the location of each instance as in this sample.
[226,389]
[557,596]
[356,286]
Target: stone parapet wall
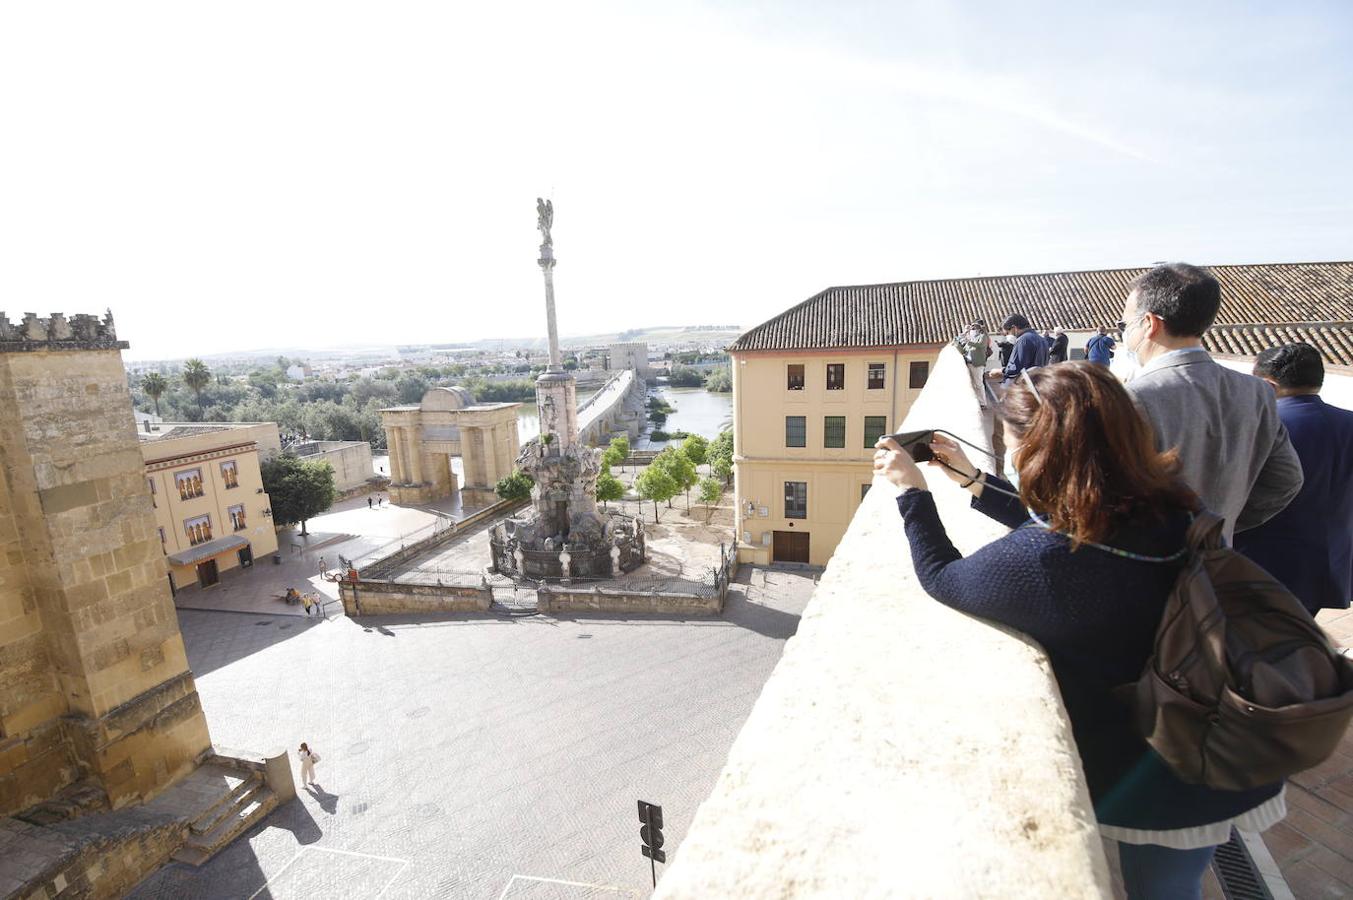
[900,747]
[381,598]
[564,600]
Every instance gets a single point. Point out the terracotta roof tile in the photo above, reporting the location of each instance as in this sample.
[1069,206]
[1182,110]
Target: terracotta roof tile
[931,312]
[1334,340]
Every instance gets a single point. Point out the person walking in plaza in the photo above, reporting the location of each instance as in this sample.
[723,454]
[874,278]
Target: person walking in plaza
[370,503]
[1233,449]
[308,760]
[1309,545]
[322,567]
[306,603]
[1030,350]
[1100,519]
[1099,349]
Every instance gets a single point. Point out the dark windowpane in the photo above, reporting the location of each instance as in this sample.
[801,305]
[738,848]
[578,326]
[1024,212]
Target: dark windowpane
[795,378]
[875,427]
[875,376]
[796,499]
[796,431]
[920,371]
[836,376]
[834,431]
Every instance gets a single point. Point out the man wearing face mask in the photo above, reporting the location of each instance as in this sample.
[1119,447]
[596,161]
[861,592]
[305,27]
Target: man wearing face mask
[1030,349]
[1233,449]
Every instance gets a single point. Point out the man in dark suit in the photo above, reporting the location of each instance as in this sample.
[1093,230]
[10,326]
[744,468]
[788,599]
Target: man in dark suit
[1309,545]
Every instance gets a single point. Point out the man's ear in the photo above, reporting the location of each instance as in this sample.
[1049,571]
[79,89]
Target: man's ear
[1271,383]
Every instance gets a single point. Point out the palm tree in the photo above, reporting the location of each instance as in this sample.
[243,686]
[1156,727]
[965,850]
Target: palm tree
[197,376]
[154,384]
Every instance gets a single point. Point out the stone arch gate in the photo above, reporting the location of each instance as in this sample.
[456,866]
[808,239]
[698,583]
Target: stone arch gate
[448,422]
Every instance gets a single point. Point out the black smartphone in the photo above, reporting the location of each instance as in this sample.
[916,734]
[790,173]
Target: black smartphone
[917,443]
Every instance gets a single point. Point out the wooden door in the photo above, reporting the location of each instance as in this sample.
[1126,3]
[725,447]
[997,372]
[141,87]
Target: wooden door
[206,573]
[790,546]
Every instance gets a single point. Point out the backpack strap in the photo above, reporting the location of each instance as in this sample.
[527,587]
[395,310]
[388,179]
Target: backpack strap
[1205,531]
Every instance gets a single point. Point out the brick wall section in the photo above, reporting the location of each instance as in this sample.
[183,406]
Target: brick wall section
[563,601]
[88,630]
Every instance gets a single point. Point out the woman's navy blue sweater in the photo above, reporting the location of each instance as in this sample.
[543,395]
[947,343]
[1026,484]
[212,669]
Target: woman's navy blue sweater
[1095,614]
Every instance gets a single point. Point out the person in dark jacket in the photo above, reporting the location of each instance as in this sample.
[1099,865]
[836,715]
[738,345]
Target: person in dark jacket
[1309,545]
[1057,350]
[1100,518]
[1030,349]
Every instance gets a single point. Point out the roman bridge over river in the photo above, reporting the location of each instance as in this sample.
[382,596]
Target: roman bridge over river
[617,407]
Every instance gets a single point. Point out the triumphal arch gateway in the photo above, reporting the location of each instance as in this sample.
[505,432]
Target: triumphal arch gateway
[446,423]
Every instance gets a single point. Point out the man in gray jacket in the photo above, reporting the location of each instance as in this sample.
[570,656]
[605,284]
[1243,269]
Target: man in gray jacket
[1233,449]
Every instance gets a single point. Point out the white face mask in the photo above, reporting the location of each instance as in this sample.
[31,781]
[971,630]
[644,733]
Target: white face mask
[1011,473]
[1131,365]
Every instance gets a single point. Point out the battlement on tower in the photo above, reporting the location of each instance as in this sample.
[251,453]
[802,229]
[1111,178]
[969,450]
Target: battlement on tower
[58,332]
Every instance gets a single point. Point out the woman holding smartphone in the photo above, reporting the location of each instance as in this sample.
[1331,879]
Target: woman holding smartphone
[1099,521]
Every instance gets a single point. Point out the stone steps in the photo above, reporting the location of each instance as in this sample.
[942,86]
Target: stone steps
[247,805]
[212,814]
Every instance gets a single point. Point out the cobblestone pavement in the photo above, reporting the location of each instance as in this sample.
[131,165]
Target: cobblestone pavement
[478,757]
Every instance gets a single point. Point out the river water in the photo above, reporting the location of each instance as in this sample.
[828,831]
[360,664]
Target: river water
[698,411]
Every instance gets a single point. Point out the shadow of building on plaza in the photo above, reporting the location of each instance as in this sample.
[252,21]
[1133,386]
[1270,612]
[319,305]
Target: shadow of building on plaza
[214,639]
[235,871]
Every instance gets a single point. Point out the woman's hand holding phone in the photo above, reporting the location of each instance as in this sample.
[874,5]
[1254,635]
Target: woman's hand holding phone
[949,456]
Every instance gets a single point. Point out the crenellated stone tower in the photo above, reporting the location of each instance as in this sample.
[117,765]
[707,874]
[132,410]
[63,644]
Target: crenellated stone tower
[94,683]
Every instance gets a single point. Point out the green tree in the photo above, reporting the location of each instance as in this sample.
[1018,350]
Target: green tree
[653,483]
[682,471]
[620,447]
[298,490]
[711,492]
[516,486]
[196,376]
[411,388]
[720,455]
[684,376]
[719,381]
[696,449]
[154,384]
[609,487]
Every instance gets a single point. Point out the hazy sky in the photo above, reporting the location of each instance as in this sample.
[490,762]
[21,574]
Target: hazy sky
[244,175]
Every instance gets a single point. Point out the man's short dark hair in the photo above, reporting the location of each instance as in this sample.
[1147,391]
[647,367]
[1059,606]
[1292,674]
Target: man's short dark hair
[1185,297]
[1294,366]
[1014,320]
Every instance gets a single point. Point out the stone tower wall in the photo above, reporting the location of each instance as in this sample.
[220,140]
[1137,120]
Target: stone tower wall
[96,681]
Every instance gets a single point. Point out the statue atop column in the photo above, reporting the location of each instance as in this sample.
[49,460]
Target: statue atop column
[544,219]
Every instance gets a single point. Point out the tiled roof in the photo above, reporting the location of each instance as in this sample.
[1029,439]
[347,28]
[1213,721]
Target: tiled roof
[932,312]
[1334,340]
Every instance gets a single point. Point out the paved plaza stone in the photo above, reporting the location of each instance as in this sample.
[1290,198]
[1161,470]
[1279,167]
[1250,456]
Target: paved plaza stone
[478,756]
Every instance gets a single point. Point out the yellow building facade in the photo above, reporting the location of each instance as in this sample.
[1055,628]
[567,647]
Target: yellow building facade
[804,427]
[211,511]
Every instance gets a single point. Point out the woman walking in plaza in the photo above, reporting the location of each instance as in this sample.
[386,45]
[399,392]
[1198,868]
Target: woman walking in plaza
[1100,520]
[308,760]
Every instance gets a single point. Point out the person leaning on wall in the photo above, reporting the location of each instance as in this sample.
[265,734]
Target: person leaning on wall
[1100,518]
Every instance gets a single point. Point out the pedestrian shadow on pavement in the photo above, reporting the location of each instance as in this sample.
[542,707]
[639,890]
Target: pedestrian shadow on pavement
[327,802]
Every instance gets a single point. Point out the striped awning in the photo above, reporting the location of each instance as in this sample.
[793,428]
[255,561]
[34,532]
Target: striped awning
[208,550]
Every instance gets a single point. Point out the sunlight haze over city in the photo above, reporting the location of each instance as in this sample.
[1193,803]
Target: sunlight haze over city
[283,174]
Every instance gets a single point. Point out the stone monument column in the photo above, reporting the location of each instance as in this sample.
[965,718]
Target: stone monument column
[556,389]
[397,475]
[413,440]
